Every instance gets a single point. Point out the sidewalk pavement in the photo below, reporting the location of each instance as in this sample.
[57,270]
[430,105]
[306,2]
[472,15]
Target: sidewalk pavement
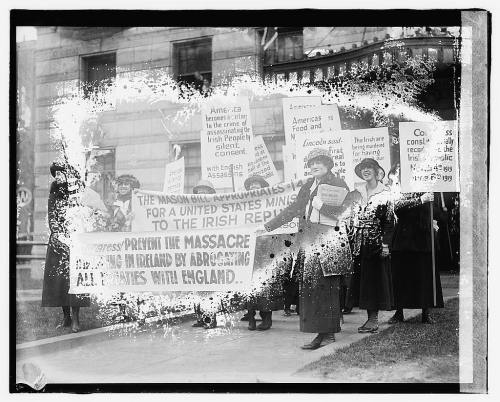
[182,354]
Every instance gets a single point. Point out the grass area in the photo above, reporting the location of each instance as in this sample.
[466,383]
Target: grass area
[34,322]
[406,352]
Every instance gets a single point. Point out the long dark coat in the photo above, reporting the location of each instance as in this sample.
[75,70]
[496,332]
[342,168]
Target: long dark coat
[56,275]
[412,254]
[321,248]
[371,226]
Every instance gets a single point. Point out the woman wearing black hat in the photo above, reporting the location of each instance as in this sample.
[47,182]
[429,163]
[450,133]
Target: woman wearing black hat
[269,298]
[324,253]
[56,274]
[371,225]
[416,285]
[207,320]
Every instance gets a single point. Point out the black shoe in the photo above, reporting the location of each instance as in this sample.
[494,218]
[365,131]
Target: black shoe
[347,310]
[252,324]
[198,324]
[319,340]
[287,312]
[267,321]
[67,322]
[368,327]
[397,317]
[245,317]
[427,319]
[210,322]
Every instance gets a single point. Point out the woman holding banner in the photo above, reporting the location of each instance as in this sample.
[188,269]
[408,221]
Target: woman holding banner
[204,319]
[324,253]
[268,296]
[56,273]
[416,284]
[371,232]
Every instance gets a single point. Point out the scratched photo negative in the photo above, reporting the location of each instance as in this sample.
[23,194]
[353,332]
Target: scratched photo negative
[275,204]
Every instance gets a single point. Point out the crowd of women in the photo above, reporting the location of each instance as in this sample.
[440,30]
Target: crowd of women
[374,251]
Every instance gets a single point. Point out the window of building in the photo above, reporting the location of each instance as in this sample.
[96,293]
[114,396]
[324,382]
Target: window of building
[288,46]
[98,71]
[102,165]
[193,62]
[192,160]
[274,145]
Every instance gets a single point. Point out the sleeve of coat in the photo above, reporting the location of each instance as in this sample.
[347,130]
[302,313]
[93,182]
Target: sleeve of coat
[407,201]
[51,211]
[285,216]
[387,225]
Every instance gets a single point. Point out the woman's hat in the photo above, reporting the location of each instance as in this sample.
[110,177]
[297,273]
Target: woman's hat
[322,155]
[372,163]
[255,179]
[57,166]
[204,184]
[130,179]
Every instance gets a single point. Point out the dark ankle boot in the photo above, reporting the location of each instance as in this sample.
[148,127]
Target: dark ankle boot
[397,317]
[320,340]
[372,324]
[252,324]
[426,317]
[267,321]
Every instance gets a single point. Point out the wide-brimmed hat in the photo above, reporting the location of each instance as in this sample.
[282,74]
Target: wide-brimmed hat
[130,179]
[204,184]
[255,179]
[57,166]
[369,162]
[320,154]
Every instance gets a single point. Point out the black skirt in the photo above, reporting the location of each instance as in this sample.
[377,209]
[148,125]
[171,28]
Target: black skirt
[319,298]
[56,280]
[413,280]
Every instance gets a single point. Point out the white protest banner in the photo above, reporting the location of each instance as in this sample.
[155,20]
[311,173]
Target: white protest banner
[226,142]
[263,164]
[215,260]
[338,143]
[429,156]
[174,177]
[370,143]
[289,163]
[155,211]
[292,106]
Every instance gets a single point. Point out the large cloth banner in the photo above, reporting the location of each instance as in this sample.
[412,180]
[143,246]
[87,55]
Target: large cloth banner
[226,142]
[429,156]
[338,143]
[155,211]
[174,177]
[263,164]
[138,262]
[370,143]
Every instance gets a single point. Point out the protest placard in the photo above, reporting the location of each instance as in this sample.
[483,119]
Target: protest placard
[174,177]
[429,156]
[303,117]
[155,211]
[226,142]
[370,143]
[331,195]
[263,164]
[215,260]
[338,143]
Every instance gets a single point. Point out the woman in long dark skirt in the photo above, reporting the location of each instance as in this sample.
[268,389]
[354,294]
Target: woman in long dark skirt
[324,253]
[56,275]
[372,226]
[416,285]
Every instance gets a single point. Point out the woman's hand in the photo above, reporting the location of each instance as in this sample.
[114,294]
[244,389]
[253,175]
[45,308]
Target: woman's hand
[427,197]
[317,203]
[385,250]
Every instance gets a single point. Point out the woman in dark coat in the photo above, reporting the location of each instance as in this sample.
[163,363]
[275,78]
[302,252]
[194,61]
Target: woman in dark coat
[371,232]
[324,252]
[56,275]
[268,297]
[415,283]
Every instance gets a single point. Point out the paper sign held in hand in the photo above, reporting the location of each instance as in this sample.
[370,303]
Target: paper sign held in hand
[332,195]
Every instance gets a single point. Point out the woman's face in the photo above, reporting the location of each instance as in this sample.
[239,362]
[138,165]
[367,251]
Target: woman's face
[254,186]
[318,169]
[124,188]
[368,173]
[60,177]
